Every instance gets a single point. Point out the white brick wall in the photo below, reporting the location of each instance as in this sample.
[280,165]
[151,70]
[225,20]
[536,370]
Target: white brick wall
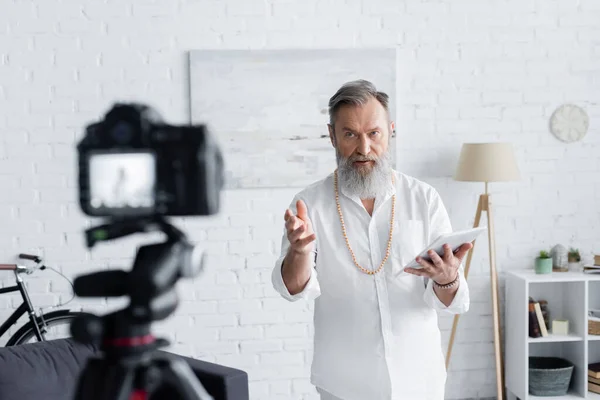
[470,71]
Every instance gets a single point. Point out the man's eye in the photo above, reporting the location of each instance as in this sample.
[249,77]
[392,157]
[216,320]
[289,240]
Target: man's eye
[349,134]
[374,133]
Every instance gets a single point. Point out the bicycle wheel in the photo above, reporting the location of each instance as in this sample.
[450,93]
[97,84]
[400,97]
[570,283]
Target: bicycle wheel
[54,325]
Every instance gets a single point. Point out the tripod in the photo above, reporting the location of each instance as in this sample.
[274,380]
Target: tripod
[129,367]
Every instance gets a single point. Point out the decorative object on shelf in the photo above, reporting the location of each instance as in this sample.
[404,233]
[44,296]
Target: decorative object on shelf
[569,123]
[560,327]
[574,260]
[594,322]
[543,263]
[559,258]
[574,255]
[549,376]
[487,162]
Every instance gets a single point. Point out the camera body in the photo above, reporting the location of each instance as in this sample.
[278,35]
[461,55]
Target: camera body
[133,165]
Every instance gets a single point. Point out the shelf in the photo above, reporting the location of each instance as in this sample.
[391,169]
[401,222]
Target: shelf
[570,395]
[569,296]
[529,275]
[556,338]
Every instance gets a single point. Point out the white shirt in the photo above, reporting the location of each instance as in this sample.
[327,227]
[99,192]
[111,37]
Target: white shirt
[375,336]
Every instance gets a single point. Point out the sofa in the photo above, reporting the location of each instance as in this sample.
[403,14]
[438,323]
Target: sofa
[50,370]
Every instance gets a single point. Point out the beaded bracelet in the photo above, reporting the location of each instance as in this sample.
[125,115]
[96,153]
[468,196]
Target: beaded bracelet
[449,285]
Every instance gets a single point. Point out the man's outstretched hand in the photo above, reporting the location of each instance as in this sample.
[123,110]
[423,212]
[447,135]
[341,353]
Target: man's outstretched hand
[444,269]
[299,229]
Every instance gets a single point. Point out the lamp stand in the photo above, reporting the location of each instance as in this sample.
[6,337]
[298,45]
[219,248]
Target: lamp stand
[485,206]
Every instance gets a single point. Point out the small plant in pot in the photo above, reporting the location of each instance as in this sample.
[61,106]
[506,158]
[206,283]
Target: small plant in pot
[543,263]
[574,259]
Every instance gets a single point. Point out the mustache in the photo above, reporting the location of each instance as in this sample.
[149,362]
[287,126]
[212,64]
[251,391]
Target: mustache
[362,158]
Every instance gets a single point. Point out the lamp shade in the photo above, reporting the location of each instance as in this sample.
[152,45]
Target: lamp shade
[487,162]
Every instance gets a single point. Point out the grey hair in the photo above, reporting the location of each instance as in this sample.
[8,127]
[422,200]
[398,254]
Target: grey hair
[356,93]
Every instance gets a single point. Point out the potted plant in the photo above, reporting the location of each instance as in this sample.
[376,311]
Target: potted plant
[543,263]
[574,255]
[574,259]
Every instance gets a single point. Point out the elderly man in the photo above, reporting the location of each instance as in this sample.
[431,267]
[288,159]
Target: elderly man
[346,241]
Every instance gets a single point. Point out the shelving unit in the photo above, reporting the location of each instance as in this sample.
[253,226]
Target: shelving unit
[570,295]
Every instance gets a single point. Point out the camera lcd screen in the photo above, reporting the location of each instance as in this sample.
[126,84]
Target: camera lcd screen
[122,181]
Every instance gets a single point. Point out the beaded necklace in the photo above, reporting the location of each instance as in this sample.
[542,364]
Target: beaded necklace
[389,244]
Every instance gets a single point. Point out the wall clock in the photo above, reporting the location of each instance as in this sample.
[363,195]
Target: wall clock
[569,123]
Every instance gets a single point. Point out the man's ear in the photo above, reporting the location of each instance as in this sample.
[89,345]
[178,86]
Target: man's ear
[392,129]
[331,134]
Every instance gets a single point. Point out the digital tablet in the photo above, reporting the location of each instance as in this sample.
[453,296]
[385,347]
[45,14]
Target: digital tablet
[454,239]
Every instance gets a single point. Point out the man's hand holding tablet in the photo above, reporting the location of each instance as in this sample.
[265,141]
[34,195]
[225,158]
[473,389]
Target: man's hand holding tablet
[441,259]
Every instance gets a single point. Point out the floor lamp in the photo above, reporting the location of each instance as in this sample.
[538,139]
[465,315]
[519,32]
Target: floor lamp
[486,162]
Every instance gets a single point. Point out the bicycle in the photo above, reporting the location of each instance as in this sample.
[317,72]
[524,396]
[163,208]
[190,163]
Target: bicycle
[38,324]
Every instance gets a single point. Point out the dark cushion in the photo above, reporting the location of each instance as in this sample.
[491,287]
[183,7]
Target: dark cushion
[47,370]
[50,370]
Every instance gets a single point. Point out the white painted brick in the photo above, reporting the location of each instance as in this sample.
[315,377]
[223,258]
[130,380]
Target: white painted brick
[280,372]
[480,112]
[197,335]
[280,387]
[259,389]
[227,278]
[563,36]
[288,358]
[503,98]
[216,293]
[250,8]
[588,19]
[249,247]
[286,331]
[261,346]
[262,318]
[301,9]
[192,307]
[522,112]
[239,306]
[225,234]
[242,333]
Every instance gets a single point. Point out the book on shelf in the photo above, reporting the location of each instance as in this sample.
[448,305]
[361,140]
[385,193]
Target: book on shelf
[537,323]
[591,269]
[594,370]
[594,377]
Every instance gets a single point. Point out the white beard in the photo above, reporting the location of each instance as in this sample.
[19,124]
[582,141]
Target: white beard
[365,185]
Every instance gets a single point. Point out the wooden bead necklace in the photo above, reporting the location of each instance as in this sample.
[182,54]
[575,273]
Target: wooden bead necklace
[389,244]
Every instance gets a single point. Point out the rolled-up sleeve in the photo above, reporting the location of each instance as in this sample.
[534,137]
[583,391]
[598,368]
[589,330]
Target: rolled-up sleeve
[311,290]
[440,223]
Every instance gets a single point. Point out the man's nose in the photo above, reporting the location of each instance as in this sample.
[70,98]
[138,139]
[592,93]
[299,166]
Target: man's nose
[364,146]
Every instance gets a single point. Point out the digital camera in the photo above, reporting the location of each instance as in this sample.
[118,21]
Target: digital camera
[132,164]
